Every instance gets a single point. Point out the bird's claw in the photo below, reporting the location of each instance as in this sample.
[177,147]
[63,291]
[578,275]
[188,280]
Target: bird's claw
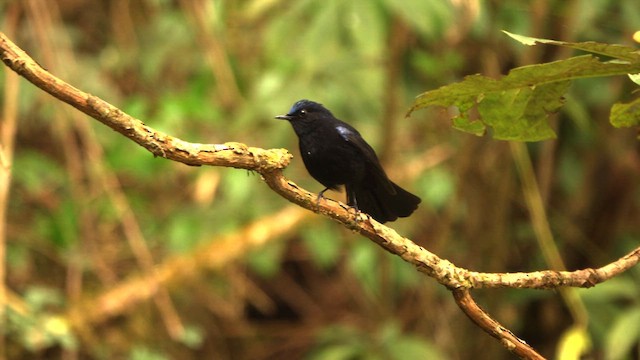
[356,211]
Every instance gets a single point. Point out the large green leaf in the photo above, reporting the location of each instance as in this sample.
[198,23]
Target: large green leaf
[517,106]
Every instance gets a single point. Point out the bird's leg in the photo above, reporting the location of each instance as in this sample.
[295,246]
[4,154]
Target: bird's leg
[320,196]
[352,202]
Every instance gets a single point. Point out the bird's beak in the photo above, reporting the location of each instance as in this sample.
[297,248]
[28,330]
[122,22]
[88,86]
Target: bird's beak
[284,117]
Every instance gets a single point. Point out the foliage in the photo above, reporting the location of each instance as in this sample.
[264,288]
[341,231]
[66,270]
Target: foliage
[518,105]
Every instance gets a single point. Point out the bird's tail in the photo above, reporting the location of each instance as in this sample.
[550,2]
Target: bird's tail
[383,202]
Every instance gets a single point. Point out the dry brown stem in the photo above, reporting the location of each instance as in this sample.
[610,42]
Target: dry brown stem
[492,327]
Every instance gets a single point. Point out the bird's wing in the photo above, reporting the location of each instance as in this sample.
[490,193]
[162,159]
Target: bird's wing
[353,137]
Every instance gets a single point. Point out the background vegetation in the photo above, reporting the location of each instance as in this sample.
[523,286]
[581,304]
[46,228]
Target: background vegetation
[89,210]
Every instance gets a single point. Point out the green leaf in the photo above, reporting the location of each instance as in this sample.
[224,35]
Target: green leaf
[462,123]
[625,115]
[517,106]
[521,113]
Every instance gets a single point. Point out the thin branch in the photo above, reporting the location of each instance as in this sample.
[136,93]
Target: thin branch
[485,322]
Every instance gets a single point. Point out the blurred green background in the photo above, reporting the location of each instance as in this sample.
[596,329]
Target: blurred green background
[112,253]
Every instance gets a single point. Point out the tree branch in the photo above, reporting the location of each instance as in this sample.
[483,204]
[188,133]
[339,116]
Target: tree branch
[269,164]
[485,322]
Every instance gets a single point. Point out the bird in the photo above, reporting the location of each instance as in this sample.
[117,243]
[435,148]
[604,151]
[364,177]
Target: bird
[336,155]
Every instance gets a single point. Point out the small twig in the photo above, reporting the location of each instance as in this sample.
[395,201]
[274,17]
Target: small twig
[492,327]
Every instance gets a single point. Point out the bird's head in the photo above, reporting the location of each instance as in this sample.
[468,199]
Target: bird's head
[305,110]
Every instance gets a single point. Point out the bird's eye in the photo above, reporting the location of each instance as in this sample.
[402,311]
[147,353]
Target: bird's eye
[303,112]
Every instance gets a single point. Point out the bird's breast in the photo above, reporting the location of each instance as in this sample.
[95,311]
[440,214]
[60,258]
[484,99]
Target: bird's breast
[332,161]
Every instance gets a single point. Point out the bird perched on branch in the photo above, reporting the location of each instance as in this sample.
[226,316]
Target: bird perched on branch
[335,154]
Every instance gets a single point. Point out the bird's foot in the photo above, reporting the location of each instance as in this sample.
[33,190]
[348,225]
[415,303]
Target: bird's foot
[352,202]
[359,215]
[356,212]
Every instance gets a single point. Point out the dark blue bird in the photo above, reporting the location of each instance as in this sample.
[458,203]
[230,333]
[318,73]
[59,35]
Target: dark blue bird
[335,154]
